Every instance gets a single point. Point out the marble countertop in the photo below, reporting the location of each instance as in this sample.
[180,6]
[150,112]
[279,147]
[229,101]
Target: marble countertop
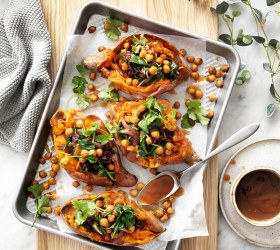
[246,105]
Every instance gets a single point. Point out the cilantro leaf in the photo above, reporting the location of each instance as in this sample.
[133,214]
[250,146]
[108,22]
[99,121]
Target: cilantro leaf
[195,114]
[141,41]
[103,139]
[109,95]
[104,171]
[151,103]
[142,150]
[83,100]
[173,113]
[111,128]
[82,69]
[150,121]
[137,60]
[91,159]
[36,189]
[91,130]
[80,84]
[84,209]
[112,32]
[86,144]
[42,203]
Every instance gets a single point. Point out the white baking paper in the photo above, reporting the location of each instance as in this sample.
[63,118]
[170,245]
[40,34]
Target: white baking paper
[189,218]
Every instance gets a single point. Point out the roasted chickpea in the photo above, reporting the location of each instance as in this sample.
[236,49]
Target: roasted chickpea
[219,84]
[211,78]
[104,222]
[224,68]
[169,145]
[123,51]
[210,114]
[191,90]
[212,98]
[48,155]
[91,29]
[134,119]
[53,173]
[155,134]
[190,59]
[187,102]
[124,27]
[159,60]
[195,76]
[159,213]
[48,210]
[166,69]
[42,160]
[149,140]
[124,66]
[128,81]
[42,174]
[194,67]
[163,56]
[219,73]
[82,160]
[166,205]
[35,182]
[69,131]
[198,94]
[149,57]
[135,82]
[166,62]
[111,218]
[131,229]
[75,184]
[106,26]
[125,143]
[198,61]
[139,186]
[127,119]
[79,124]
[90,87]
[153,171]
[126,45]
[182,52]
[122,99]
[212,70]
[92,77]
[164,218]
[108,115]
[133,192]
[159,150]
[92,152]
[55,167]
[176,105]
[170,210]
[142,53]
[64,160]
[153,70]
[88,188]
[99,203]
[101,48]
[178,115]
[94,98]
[111,167]
[84,153]
[171,198]
[171,127]
[52,181]
[57,211]
[46,185]
[99,152]
[168,152]
[52,195]
[109,208]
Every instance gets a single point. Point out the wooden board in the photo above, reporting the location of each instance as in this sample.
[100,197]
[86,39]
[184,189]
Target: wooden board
[191,15]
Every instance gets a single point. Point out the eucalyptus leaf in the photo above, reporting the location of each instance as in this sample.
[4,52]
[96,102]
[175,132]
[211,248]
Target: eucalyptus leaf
[242,43]
[212,9]
[266,67]
[259,39]
[222,8]
[278,45]
[272,2]
[240,35]
[247,39]
[236,13]
[267,14]
[272,91]
[272,43]
[245,75]
[242,66]
[225,38]
[228,16]
[258,13]
[270,109]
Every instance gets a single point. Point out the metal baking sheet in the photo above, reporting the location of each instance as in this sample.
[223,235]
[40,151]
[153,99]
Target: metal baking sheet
[212,46]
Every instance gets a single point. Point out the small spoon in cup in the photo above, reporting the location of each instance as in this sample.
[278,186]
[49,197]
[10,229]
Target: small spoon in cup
[168,182]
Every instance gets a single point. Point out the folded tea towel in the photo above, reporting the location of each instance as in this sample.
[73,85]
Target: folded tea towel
[25,50]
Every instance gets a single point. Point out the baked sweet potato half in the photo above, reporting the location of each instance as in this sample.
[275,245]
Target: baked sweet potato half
[111,218]
[148,135]
[141,65]
[87,151]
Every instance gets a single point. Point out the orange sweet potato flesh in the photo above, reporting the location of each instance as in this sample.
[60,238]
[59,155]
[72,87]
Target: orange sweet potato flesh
[150,229]
[63,120]
[109,64]
[185,152]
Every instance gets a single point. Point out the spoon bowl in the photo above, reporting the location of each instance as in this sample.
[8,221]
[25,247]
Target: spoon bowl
[168,182]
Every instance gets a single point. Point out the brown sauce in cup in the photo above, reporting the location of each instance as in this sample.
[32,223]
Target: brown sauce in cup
[258,195]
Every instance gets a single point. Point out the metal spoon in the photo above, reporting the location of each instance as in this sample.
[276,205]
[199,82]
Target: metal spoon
[236,138]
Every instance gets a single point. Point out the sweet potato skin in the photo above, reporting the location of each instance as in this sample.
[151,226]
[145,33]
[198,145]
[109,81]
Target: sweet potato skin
[185,151]
[68,119]
[105,62]
[151,229]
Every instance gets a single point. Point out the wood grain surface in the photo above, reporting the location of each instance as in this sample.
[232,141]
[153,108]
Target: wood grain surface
[191,15]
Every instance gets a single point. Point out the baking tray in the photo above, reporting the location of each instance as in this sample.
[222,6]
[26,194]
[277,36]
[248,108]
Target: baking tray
[19,204]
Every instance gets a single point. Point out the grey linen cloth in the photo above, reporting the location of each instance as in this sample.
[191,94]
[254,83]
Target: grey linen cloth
[25,50]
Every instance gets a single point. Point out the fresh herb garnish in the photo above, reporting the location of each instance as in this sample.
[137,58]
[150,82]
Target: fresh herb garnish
[41,202]
[82,69]
[104,171]
[103,139]
[111,128]
[126,219]
[138,60]
[195,114]
[112,30]
[109,95]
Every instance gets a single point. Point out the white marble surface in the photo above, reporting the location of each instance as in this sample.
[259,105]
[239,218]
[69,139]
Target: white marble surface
[246,105]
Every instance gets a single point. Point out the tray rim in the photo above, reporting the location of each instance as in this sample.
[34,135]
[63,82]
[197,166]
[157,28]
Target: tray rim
[54,88]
